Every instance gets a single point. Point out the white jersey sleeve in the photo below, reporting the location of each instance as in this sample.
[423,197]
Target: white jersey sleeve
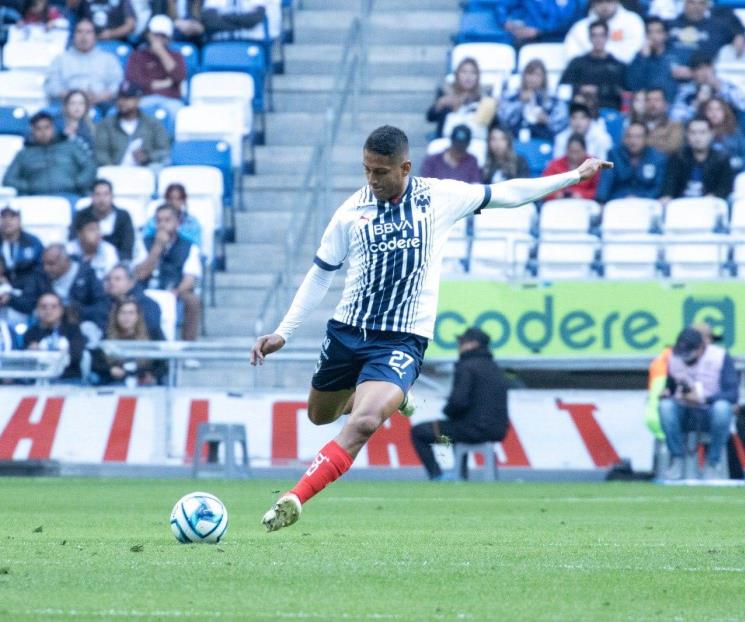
[334,246]
[459,199]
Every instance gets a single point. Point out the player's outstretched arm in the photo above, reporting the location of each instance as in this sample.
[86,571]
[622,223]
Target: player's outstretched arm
[516,192]
[266,344]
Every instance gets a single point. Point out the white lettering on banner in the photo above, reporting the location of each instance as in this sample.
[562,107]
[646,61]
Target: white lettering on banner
[550,429]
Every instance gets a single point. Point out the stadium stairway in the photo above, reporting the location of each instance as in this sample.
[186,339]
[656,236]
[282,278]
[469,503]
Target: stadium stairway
[407,58]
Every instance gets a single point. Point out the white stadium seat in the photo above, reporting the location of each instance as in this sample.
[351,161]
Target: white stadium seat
[567,216]
[631,256]
[739,189]
[47,217]
[500,255]
[133,186]
[6,192]
[168,313]
[22,88]
[214,122]
[201,182]
[495,221]
[629,216]
[455,252]
[694,215]
[569,257]
[737,220]
[224,87]
[552,55]
[135,207]
[477,148]
[30,55]
[696,256]
[496,61]
[10,145]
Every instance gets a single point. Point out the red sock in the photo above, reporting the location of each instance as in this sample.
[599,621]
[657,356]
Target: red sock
[329,465]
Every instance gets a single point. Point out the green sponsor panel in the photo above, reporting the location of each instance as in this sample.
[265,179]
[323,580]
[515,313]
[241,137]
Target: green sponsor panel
[601,318]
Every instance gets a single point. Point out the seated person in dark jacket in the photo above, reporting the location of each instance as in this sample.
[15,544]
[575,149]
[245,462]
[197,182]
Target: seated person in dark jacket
[56,332]
[116,224]
[476,410]
[126,322]
[73,281]
[655,66]
[638,170]
[119,284]
[21,250]
[172,263]
[698,170]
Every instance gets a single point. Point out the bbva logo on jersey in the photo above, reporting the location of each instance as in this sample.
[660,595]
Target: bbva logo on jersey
[385,228]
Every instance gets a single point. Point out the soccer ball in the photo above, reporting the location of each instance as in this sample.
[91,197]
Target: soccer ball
[199,517]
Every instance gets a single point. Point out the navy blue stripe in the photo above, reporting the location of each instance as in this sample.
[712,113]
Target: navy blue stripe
[325,266]
[407,256]
[485,202]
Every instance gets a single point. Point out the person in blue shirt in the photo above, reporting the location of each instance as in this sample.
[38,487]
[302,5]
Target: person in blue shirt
[189,227]
[638,169]
[655,65]
[530,21]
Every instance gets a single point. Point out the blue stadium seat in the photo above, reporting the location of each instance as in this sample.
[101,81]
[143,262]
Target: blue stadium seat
[190,52]
[163,115]
[481,26]
[238,56]
[13,120]
[613,123]
[206,153]
[118,48]
[537,153]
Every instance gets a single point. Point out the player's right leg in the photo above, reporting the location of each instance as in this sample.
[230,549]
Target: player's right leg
[327,406]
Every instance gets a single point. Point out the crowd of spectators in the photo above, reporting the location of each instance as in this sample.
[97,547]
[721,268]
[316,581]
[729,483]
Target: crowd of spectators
[651,64]
[69,295]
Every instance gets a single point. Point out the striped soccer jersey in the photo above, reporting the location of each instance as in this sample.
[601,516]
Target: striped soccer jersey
[395,252]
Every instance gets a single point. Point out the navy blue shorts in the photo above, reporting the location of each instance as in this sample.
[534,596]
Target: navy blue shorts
[350,356]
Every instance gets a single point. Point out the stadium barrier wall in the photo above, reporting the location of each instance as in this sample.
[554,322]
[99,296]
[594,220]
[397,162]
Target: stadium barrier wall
[551,429]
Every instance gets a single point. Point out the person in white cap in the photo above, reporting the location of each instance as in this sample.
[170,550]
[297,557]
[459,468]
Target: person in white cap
[157,69]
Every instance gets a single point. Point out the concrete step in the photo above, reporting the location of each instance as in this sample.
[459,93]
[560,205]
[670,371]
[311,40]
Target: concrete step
[378,84]
[255,257]
[394,59]
[379,6]
[258,226]
[273,199]
[292,181]
[292,101]
[227,321]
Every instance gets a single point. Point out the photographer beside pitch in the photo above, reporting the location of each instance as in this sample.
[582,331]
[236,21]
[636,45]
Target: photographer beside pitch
[393,232]
[701,392]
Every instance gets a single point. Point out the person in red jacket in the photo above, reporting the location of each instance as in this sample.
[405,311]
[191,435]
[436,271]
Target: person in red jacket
[576,154]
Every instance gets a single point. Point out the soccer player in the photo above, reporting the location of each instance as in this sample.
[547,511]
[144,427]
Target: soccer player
[392,231]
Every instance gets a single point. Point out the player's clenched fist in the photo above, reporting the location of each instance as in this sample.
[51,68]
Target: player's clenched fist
[266,344]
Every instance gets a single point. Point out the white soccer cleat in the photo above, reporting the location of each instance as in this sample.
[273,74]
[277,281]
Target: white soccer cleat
[283,513]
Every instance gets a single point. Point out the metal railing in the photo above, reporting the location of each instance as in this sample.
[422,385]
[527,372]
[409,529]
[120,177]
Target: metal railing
[38,365]
[313,198]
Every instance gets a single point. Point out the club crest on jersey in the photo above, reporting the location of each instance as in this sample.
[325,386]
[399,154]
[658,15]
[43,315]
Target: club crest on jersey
[422,201]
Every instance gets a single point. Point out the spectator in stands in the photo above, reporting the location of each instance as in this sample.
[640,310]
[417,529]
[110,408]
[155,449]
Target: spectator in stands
[73,120]
[186,20]
[21,251]
[172,263]
[131,138]
[49,163]
[655,66]
[90,248]
[156,69]
[664,135]
[626,31]
[728,136]
[596,137]
[701,393]
[455,162]
[598,67]
[43,14]
[113,19]
[189,227]
[74,282]
[56,330]
[532,21]
[120,285]
[696,31]
[704,85]
[532,107]
[115,223]
[502,162]
[84,67]
[698,170]
[8,336]
[476,409]
[126,322]
[229,20]
[638,169]
[462,99]
[576,154]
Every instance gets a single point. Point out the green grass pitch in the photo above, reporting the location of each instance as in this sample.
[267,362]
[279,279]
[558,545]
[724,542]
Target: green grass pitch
[89,549]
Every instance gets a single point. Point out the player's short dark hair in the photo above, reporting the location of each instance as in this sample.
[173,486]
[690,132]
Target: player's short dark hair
[388,141]
[598,24]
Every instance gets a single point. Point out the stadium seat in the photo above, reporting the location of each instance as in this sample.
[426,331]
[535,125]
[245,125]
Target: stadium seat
[204,182]
[732,72]
[238,56]
[13,120]
[207,153]
[6,192]
[496,61]
[213,122]
[136,183]
[614,122]
[739,187]
[10,145]
[737,219]
[134,206]
[537,153]
[190,52]
[500,255]
[47,217]
[571,257]
[168,313]
[24,89]
[224,87]
[696,256]
[552,55]
[566,217]
[629,216]
[30,55]
[495,221]
[477,148]
[209,217]
[455,253]
[163,115]
[631,257]
[694,215]
[118,48]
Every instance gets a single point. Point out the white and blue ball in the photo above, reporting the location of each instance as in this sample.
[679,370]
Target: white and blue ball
[199,517]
